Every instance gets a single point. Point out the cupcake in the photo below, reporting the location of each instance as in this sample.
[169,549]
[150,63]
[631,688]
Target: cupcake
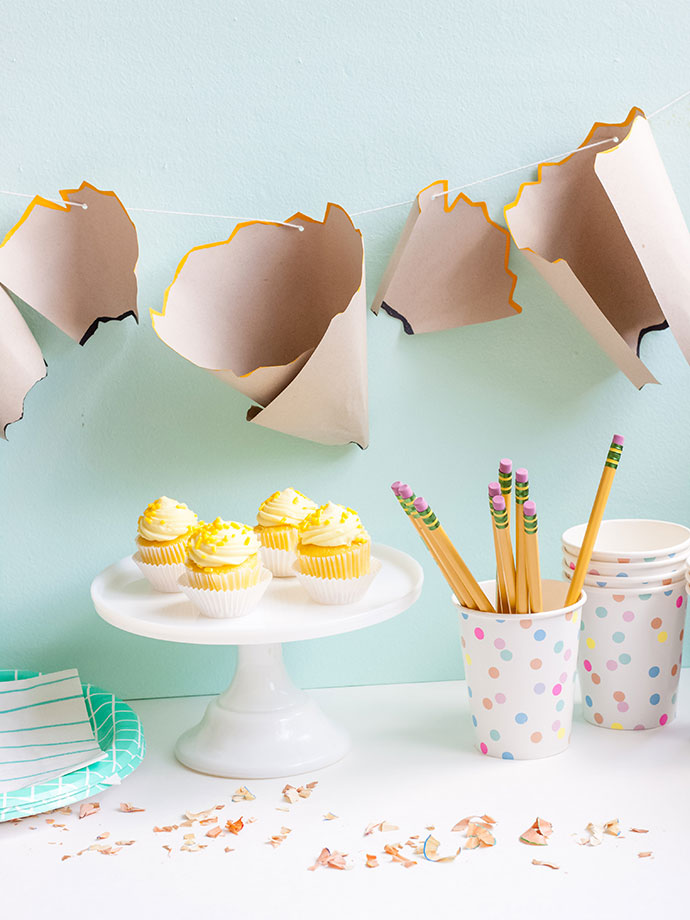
[162,533]
[223,574]
[277,521]
[333,555]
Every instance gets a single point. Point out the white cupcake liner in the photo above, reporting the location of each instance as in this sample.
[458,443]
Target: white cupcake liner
[161,577]
[225,604]
[279,561]
[337,590]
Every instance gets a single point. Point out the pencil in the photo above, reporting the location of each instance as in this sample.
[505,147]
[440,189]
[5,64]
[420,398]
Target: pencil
[532,557]
[501,594]
[440,537]
[406,497]
[505,549]
[521,496]
[505,480]
[595,518]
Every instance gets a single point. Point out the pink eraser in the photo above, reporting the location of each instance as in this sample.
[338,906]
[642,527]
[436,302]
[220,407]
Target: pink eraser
[521,475]
[421,504]
[618,439]
[499,503]
[494,489]
[505,466]
[396,486]
[404,491]
[529,509]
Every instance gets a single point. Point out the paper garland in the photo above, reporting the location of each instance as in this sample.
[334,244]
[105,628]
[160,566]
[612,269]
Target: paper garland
[605,230]
[280,315]
[450,267]
[75,266]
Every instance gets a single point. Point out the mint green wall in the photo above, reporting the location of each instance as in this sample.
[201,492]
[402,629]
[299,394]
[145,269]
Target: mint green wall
[260,109]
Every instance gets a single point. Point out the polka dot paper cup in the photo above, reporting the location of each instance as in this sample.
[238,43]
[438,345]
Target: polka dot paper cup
[631,541]
[631,647]
[520,675]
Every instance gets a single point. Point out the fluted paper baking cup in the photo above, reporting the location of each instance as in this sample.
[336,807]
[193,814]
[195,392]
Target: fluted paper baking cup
[161,577]
[225,604]
[337,590]
[279,561]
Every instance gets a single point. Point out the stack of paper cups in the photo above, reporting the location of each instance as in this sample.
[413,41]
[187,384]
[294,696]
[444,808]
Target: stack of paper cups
[520,673]
[631,639]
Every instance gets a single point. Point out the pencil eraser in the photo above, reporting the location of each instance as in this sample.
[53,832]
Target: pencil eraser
[505,466]
[404,491]
[421,504]
[529,509]
[499,503]
[396,486]
[618,439]
[521,475]
[494,489]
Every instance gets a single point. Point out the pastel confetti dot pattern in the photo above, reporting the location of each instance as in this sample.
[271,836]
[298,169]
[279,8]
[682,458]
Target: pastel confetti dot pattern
[630,659]
[522,678]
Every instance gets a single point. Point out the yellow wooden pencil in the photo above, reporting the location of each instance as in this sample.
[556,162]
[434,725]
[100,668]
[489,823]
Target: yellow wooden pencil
[595,518]
[529,511]
[505,549]
[501,593]
[441,538]
[406,497]
[521,496]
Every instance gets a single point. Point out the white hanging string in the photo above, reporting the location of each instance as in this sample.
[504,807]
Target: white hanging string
[52,200]
[385,207]
[218,216]
[669,104]
[558,156]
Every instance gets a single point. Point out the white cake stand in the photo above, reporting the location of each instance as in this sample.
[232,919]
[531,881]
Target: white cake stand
[262,725]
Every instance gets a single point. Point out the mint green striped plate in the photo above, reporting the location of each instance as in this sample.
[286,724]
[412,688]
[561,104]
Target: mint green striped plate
[118,732]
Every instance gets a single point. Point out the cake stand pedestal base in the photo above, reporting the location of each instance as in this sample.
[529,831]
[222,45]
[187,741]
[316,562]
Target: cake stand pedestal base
[262,726]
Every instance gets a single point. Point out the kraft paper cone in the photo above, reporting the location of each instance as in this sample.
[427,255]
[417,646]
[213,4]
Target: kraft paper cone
[450,267]
[74,266]
[280,315]
[603,227]
[21,362]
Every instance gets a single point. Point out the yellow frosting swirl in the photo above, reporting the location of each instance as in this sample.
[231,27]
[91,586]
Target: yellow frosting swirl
[286,508]
[222,543]
[332,525]
[165,519]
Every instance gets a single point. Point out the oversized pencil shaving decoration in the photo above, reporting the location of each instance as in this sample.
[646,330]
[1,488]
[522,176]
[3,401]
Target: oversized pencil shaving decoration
[595,518]
[406,498]
[521,496]
[529,512]
[505,549]
[501,593]
[429,519]
[505,480]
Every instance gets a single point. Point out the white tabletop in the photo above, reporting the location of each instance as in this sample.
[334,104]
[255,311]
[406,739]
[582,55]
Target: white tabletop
[413,765]
[124,598]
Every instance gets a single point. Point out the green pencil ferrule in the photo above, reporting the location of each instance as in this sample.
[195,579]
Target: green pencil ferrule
[406,504]
[501,519]
[429,518]
[521,492]
[530,524]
